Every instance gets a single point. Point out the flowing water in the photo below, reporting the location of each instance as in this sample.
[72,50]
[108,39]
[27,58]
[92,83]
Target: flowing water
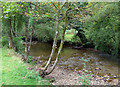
[72,59]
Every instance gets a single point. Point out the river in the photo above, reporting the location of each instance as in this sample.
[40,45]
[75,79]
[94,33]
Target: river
[71,58]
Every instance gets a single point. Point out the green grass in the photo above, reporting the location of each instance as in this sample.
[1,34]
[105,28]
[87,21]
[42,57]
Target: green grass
[15,72]
[68,37]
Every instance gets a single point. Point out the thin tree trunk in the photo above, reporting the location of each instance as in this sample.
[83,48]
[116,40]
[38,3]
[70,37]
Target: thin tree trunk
[31,38]
[61,44]
[27,45]
[10,35]
[58,54]
[14,28]
[26,41]
[55,40]
[43,73]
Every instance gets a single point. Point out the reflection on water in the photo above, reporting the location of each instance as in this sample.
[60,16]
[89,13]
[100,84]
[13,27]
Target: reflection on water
[72,58]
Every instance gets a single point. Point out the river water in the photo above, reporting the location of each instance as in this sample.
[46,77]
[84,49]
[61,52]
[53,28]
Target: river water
[71,58]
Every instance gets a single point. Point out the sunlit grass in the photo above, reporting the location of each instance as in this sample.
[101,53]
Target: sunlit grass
[15,72]
[68,37]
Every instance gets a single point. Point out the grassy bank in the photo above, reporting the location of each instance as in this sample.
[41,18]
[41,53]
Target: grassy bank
[15,72]
[68,37]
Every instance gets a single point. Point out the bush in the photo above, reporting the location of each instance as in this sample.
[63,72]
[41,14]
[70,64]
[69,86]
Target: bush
[102,28]
[29,59]
[45,33]
[17,41]
[18,44]
[76,39]
[85,78]
[4,41]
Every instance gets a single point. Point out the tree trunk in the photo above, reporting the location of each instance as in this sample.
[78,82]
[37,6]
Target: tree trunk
[13,30]
[55,40]
[10,35]
[26,41]
[43,73]
[61,44]
[31,38]
[27,45]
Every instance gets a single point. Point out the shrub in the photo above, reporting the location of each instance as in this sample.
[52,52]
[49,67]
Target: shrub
[44,32]
[85,78]
[4,41]
[102,28]
[17,41]
[18,44]
[29,59]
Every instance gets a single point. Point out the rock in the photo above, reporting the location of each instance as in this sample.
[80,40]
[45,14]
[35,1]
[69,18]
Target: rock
[23,78]
[3,83]
[97,68]
[52,80]
[105,76]
[115,82]
[99,78]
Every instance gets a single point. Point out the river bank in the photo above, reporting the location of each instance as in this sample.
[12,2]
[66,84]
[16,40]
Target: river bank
[62,76]
[15,72]
[104,66]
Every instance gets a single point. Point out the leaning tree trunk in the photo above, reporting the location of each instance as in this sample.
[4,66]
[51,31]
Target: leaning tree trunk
[61,44]
[55,40]
[10,35]
[44,73]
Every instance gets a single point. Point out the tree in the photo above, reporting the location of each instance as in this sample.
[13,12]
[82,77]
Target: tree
[77,22]
[13,15]
[43,71]
[102,28]
[9,11]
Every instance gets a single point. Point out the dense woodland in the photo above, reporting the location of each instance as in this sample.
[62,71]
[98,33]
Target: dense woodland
[94,25]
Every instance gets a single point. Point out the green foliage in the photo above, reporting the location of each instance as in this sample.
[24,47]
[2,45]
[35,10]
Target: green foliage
[29,59]
[44,32]
[102,28]
[85,78]
[19,23]
[101,24]
[68,37]
[10,9]
[75,39]
[85,60]
[18,43]
[4,41]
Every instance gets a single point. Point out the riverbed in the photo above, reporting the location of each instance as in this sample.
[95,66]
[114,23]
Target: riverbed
[71,58]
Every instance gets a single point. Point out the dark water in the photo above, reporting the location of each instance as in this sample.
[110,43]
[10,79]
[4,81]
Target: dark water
[72,58]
